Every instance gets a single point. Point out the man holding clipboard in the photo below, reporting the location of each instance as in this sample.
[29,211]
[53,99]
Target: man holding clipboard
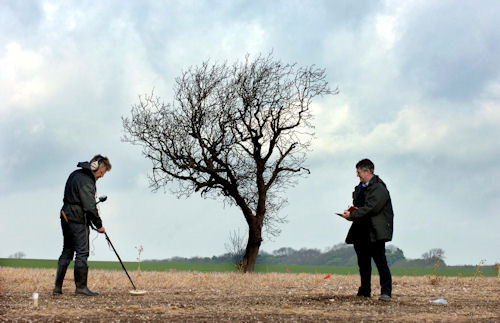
[372,226]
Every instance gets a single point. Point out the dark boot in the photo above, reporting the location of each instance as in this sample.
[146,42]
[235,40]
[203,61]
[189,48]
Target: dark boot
[61,272]
[364,292]
[81,273]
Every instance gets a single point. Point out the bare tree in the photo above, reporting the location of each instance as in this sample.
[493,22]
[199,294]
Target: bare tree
[18,255]
[434,254]
[240,132]
[236,247]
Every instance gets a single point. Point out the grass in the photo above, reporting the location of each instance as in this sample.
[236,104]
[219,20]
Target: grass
[115,265]
[468,271]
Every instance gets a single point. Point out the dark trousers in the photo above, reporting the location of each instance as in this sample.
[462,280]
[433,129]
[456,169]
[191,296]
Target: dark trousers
[76,240]
[365,252]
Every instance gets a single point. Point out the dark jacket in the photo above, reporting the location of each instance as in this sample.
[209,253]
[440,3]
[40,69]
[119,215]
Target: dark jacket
[373,220]
[79,197]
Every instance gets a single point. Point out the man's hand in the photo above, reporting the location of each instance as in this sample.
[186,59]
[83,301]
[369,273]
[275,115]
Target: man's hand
[101,230]
[347,215]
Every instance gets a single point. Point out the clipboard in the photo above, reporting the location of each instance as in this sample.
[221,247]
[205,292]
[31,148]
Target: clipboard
[352,208]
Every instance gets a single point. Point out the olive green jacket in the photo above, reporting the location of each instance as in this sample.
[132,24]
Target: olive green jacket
[374,218]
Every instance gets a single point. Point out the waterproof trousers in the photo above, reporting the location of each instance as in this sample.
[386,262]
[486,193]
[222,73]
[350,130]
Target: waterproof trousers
[76,240]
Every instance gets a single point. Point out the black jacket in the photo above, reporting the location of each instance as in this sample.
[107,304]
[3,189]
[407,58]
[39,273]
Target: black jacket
[79,197]
[373,220]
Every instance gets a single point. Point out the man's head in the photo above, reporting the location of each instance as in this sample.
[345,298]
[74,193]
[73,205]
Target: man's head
[364,170]
[99,166]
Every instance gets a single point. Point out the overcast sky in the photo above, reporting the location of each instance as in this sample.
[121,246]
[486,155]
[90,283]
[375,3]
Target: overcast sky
[419,86]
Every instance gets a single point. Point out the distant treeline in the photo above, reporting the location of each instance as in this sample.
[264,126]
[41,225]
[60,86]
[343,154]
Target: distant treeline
[338,255]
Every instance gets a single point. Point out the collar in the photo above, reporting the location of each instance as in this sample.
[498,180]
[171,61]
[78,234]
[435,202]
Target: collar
[366,184]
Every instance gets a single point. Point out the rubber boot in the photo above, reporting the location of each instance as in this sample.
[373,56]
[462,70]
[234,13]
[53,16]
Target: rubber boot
[81,273]
[61,272]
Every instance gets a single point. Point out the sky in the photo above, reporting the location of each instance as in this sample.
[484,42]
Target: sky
[419,94]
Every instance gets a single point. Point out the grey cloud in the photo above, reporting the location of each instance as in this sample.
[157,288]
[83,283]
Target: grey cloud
[450,49]
[19,18]
[33,160]
[297,29]
[294,30]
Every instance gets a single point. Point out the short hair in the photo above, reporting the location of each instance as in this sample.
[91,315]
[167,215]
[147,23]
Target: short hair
[102,161]
[366,164]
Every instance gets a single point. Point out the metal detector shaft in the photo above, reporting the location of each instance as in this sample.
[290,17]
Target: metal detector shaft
[116,253]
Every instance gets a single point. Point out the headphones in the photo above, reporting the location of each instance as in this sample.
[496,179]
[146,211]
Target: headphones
[95,164]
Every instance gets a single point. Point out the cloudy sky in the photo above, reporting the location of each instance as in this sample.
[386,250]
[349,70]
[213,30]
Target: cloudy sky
[419,86]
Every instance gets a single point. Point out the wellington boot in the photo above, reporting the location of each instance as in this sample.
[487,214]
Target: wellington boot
[85,291]
[81,273]
[61,272]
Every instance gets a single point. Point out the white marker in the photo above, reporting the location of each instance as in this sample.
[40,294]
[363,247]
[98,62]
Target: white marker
[35,300]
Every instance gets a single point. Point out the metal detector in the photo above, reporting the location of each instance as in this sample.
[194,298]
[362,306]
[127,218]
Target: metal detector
[135,291]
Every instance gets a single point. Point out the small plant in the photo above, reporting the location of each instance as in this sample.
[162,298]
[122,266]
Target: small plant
[436,266]
[139,251]
[434,278]
[479,272]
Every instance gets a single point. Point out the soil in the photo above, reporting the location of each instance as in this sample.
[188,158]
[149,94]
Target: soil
[224,297]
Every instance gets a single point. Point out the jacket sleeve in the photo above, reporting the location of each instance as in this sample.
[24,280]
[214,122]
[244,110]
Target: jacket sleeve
[87,198]
[374,202]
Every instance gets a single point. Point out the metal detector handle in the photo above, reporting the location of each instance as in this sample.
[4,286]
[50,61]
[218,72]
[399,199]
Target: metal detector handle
[116,253]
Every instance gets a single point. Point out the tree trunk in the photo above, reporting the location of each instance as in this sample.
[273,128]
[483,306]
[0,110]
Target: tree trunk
[247,265]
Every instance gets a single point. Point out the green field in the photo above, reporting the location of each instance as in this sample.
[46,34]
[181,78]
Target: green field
[487,271]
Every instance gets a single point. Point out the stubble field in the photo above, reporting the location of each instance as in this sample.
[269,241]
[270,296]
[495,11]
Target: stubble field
[271,297]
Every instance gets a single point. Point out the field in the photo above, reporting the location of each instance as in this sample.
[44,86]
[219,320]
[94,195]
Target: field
[227,296]
[468,271]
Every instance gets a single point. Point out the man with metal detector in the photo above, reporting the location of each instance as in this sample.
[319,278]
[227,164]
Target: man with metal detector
[77,214]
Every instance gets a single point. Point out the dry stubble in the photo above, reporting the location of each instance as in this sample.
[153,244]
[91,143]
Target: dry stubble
[194,296]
